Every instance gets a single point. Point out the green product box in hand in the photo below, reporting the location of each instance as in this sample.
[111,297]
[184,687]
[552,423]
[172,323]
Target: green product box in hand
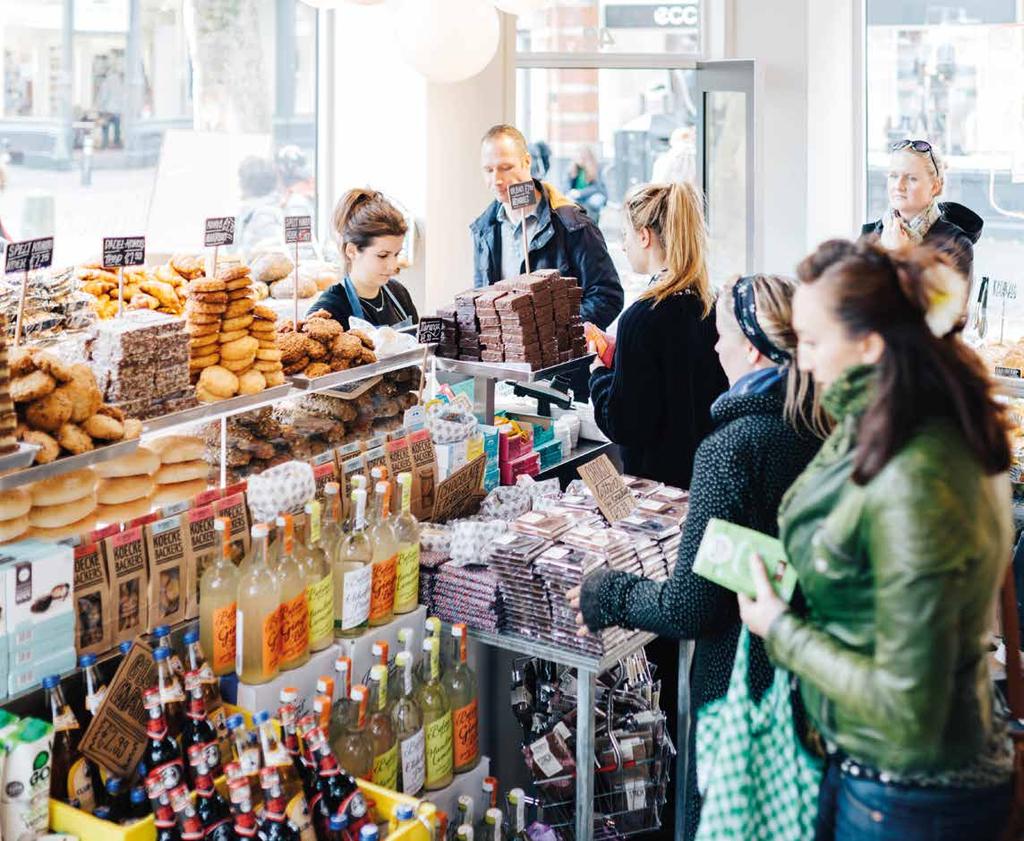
[726,551]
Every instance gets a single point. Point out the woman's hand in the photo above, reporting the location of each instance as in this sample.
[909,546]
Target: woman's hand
[759,614]
[894,235]
[597,363]
[573,596]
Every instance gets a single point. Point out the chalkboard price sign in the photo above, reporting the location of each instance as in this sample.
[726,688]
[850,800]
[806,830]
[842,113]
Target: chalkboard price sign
[298,228]
[29,255]
[430,331]
[521,195]
[120,252]
[220,230]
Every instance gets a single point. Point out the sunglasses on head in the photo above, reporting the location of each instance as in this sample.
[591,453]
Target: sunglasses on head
[918,146]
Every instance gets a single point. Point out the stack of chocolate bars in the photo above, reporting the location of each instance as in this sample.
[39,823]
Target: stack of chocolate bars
[492,348]
[468,594]
[469,327]
[448,345]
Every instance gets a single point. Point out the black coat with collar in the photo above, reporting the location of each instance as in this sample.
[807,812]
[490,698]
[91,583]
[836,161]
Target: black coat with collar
[954,233]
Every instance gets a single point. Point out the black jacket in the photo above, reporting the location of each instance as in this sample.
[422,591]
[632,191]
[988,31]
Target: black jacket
[955,232]
[655,401]
[565,239]
[336,302]
[741,471]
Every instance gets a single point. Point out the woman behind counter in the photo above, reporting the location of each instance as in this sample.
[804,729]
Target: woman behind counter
[917,176]
[371,232]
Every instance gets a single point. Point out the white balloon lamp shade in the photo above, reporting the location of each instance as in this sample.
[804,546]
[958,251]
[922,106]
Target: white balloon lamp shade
[447,40]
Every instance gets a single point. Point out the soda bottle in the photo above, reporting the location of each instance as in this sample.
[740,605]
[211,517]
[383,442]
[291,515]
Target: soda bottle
[139,807]
[338,828]
[73,778]
[407,529]
[242,807]
[95,689]
[291,577]
[382,734]
[319,579]
[162,639]
[198,731]
[118,802]
[289,733]
[274,826]
[337,792]
[218,605]
[163,814]
[355,747]
[353,574]
[275,755]
[385,559]
[460,684]
[190,827]
[437,720]
[195,661]
[246,749]
[212,808]
[171,695]
[343,711]
[407,719]
[161,757]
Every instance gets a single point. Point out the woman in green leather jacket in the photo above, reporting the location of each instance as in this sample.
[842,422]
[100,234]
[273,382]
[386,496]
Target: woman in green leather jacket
[900,530]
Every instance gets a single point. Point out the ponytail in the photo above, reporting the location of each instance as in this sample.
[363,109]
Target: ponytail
[674,213]
[362,215]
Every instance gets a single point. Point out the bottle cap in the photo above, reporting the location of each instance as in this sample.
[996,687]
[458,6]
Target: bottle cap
[403,659]
[332,488]
[289,695]
[221,523]
[493,817]
[114,785]
[381,487]
[377,672]
[138,795]
[404,812]
[339,822]
[235,721]
[162,653]
[162,631]
[259,530]
[368,833]
[101,812]
[125,646]
[50,681]
[261,717]
[86,660]
[191,636]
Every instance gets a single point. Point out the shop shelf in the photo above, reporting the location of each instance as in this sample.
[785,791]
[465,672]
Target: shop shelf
[67,464]
[206,412]
[20,458]
[583,453]
[566,656]
[516,372]
[416,356]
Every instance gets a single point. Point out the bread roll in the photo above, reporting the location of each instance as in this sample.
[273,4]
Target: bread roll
[13,528]
[179,491]
[62,514]
[142,462]
[62,489]
[124,512]
[185,471]
[79,527]
[124,489]
[174,449]
[14,504]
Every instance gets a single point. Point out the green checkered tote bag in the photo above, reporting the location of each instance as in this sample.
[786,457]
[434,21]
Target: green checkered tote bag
[755,778]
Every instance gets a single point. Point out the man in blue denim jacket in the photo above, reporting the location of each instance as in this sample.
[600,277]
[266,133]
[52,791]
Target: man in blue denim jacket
[560,233]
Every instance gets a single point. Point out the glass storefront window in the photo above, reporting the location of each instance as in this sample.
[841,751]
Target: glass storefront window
[597,133]
[953,74]
[114,121]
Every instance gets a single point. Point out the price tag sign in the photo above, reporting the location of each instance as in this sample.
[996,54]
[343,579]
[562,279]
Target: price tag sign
[29,255]
[220,230]
[613,497]
[119,252]
[298,229]
[522,195]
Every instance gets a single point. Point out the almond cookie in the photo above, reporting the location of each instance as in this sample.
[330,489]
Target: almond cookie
[210,297]
[219,382]
[233,273]
[32,386]
[297,366]
[49,413]
[188,265]
[317,369]
[237,366]
[199,362]
[242,306]
[293,347]
[195,306]
[49,449]
[206,284]
[52,365]
[274,378]
[321,329]
[251,382]
[233,336]
[104,427]
[228,325]
[346,346]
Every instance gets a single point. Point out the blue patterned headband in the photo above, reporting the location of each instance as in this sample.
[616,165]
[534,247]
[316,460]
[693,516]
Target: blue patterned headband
[744,305]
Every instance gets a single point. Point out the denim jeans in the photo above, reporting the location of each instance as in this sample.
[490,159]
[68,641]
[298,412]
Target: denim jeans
[851,809]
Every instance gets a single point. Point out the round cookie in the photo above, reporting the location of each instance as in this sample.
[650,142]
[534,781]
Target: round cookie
[265,366]
[124,512]
[238,294]
[14,503]
[74,439]
[203,320]
[239,348]
[84,393]
[238,283]
[20,361]
[238,366]
[274,378]
[317,369]
[297,366]
[269,355]
[264,312]
[263,329]
[178,492]
[49,413]
[202,341]
[205,361]
[62,514]
[13,528]
[240,323]
[251,382]
[195,306]
[124,489]
[174,449]
[49,449]
[218,382]
[132,428]
[242,306]
[52,365]
[32,386]
[210,297]
[143,462]
[104,427]
[233,336]
[233,273]
[185,471]
[203,396]
[267,345]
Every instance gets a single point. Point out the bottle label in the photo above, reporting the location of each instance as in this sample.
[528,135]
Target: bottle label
[224,635]
[93,701]
[314,523]
[466,744]
[171,774]
[239,640]
[321,607]
[382,599]
[211,755]
[298,813]
[438,737]
[385,769]
[294,628]
[412,763]
[250,760]
[80,793]
[170,692]
[271,639]
[65,720]
[355,607]
[407,586]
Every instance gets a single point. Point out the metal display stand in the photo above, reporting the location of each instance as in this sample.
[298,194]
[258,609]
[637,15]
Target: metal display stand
[588,667]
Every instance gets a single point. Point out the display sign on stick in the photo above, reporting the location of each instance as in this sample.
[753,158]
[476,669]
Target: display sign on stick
[119,253]
[522,196]
[25,257]
[461,492]
[610,492]
[219,230]
[297,229]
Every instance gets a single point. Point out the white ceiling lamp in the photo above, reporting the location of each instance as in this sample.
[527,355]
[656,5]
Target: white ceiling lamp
[447,40]
[519,7]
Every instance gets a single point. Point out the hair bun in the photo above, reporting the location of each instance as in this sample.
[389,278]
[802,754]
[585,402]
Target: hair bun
[933,286]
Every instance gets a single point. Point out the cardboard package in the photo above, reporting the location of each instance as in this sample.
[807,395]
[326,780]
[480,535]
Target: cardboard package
[424,474]
[325,469]
[233,507]
[170,570]
[94,631]
[126,561]
[203,547]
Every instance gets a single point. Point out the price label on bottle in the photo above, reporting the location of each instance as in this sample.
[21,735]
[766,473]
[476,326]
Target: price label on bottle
[220,230]
[119,252]
[298,228]
[29,255]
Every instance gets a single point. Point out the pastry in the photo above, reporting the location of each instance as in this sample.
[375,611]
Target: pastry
[237,366]
[366,340]
[143,462]
[316,350]
[104,427]
[239,348]
[251,382]
[296,367]
[111,412]
[31,386]
[20,361]
[49,449]
[274,378]
[347,346]
[49,413]
[79,527]
[124,512]
[293,347]
[14,503]
[62,514]
[178,492]
[173,449]
[322,329]
[240,307]
[188,265]
[67,487]
[218,382]
[204,396]
[13,528]
[124,489]
[231,273]
[238,323]
[52,365]
[317,369]
[233,336]
[74,439]
[185,471]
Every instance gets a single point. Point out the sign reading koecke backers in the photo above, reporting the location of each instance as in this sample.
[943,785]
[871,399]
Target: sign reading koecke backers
[120,252]
[29,255]
[220,230]
[298,229]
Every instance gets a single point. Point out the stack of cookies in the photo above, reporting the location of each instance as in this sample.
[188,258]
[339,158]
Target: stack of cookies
[183,472]
[14,508]
[204,312]
[126,486]
[63,505]
[8,420]
[268,354]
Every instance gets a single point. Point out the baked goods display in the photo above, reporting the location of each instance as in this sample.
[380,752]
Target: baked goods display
[306,426]
[60,406]
[14,507]
[180,469]
[532,318]
[126,483]
[141,363]
[233,340]
[54,305]
[62,505]
[163,288]
[8,420]
[321,346]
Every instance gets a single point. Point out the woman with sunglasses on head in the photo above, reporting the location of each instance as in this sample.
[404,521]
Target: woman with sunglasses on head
[765,430]
[917,176]
[900,533]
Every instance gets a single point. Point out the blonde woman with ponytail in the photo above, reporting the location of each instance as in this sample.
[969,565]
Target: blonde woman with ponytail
[654,401]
